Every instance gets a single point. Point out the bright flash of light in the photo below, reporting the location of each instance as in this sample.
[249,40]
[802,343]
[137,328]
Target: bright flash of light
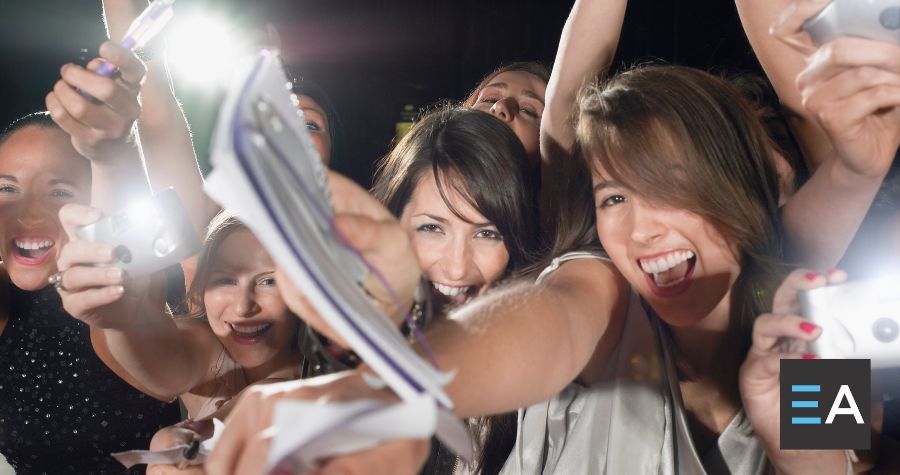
[204,49]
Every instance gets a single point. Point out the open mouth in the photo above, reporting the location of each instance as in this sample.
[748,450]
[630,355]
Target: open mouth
[669,274]
[248,333]
[455,294]
[31,251]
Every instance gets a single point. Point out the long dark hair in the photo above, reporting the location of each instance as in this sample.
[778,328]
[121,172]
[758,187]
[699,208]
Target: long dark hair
[482,160]
[642,122]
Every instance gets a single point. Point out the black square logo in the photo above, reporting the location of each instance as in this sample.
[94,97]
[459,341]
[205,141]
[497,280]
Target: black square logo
[825,404]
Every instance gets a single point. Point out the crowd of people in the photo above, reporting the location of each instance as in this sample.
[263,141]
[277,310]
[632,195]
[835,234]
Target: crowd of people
[609,263]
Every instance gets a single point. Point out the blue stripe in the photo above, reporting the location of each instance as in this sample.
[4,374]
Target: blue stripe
[806,420]
[804,403]
[805,388]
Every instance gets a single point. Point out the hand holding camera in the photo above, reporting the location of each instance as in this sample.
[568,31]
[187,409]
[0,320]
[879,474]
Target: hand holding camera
[851,83]
[859,319]
[131,245]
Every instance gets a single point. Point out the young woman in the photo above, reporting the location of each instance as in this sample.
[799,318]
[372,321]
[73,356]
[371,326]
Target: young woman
[240,331]
[515,94]
[460,184]
[65,410]
[457,183]
[686,208]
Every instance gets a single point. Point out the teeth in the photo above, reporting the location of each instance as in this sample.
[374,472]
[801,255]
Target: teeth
[449,291]
[33,244]
[248,330]
[663,263]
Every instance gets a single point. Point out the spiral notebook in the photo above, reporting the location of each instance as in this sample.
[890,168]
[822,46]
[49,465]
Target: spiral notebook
[267,170]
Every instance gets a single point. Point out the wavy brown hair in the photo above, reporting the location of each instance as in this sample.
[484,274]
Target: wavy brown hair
[686,139]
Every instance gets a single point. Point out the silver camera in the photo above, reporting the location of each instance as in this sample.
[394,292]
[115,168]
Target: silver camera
[872,19]
[859,319]
[148,235]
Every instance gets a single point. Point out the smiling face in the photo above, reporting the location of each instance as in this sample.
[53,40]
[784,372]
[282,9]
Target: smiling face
[516,98]
[317,125]
[675,259]
[39,173]
[243,305]
[460,255]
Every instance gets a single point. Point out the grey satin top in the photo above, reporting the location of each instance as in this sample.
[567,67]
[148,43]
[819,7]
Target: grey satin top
[630,422]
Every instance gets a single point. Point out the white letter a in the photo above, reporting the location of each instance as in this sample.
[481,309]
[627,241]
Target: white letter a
[836,408]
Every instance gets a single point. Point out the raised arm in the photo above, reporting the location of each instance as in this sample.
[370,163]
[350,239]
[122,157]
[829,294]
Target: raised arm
[164,132]
[586,49]
[841,102]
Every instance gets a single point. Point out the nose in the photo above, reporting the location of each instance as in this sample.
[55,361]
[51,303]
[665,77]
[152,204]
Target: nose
[246,306]
[33,213]
[646,225]
[457,259]
[505,109]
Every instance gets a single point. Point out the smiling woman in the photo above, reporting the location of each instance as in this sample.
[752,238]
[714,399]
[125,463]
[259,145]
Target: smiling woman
[64,393]
[458,184]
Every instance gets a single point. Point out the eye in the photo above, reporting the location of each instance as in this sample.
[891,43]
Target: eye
[62,194]
[530,112]
[310,125]
[6,188]
[612,201]
[488,100]
[489,234]
[429,228]
[266,282]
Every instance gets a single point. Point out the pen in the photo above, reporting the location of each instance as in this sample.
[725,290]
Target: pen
[150,22]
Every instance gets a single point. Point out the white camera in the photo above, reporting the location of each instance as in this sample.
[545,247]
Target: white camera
[147,236]
[859,319]
[872,19]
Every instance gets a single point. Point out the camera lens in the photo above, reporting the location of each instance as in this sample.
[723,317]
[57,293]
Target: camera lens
[123,254]
[890,18]
[885,330]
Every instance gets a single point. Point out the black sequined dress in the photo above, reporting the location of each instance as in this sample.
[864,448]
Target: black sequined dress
[61,409]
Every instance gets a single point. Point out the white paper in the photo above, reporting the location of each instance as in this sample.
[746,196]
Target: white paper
[307,432]
[171,456]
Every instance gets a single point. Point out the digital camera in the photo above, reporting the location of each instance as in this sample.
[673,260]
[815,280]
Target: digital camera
[872,19]
[859,319]
[148,235]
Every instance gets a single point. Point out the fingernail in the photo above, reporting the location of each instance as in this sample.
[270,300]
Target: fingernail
[114,273]
[810,356]
[808,327]
[831,272]
[811,276]
[118,290]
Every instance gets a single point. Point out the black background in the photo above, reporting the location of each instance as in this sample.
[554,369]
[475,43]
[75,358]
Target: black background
[374,56]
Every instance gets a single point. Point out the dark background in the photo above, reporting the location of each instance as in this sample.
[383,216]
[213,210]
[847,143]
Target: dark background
[375,56]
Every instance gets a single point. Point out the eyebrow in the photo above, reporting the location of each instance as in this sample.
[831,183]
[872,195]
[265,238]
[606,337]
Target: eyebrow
[444,220]
[525,92]
[9,178]
[606,184]
[60,181]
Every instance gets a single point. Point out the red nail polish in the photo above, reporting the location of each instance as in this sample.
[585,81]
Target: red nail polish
[811,276]
[808,327]
[810,356]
